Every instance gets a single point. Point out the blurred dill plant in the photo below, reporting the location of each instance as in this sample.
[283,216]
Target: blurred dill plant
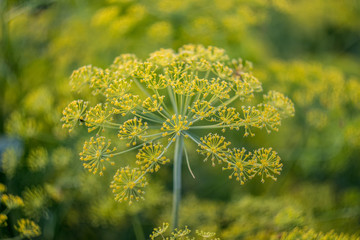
[37,159]
[25,227]
[61,157]
[327,100]
[105,211]
[9,162]
[253,215]
[153,105]
[306,234]
[35,199]
[20,126]
[197,213]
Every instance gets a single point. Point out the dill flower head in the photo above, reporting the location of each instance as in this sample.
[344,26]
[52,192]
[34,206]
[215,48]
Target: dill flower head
[27,228]
[152,105]
[267,163]
[9,162]
[185,233]
[150,157]
[81,77]
[20,125]
[2,188]
[214,147]
[3,219]
[37,159]
[129,184]
[241,164]
[132,129]
[180,233]
[61,157]
[282,103]
[12,201]
[308,233]
[205,235]
[73,114]
[159,231]
[96,153]
[35,199]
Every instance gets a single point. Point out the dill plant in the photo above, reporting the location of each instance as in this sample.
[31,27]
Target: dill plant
[295,234]
[304,234]
[152,106]
[25,227]
[327,123]
[160,233]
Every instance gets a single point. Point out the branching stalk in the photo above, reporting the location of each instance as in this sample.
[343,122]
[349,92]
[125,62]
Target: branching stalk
[179,143]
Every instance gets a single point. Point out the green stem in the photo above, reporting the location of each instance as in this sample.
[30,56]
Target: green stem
[187,100]
[163,152]
[138,230]
[130,149]
[166,117]
[172,99]
[147,118]
[217,126]
[181,104]
[166,110]
[188,163]
[179,143]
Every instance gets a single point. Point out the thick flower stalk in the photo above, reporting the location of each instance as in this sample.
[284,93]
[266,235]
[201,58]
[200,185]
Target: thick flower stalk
[152,106]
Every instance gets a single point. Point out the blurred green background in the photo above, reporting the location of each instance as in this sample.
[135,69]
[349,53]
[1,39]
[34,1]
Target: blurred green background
[309,50]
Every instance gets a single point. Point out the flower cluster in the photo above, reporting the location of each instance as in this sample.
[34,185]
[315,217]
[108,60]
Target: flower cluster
[95,153]
[37,159]
[150,157]
[35,199]
[213,146]
[281,103]
[156,103]
[132,129]
[25,227]
[306,233]
[128,184]
[12,201]
[74,113]
[160,233]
